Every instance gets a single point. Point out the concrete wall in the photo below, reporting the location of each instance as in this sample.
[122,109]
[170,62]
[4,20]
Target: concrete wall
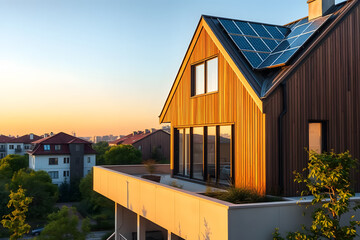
[186,214]
[193,216]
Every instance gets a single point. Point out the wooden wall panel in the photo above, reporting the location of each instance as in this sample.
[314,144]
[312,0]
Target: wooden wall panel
[325,87]
[231,104]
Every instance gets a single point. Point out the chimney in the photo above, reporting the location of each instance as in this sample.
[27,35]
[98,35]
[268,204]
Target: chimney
[147,131]
[51,134]
[153,130]
[134,133]
[318,8]
[31,136]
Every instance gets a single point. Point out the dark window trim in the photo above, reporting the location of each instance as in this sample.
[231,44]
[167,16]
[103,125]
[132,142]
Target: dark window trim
[181,172]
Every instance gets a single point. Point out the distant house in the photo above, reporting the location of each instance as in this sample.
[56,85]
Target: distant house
[3,145]
[21,145]
[148,142]
[63,156]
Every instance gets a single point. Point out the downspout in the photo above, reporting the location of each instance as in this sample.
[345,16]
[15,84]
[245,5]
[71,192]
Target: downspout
[281,139]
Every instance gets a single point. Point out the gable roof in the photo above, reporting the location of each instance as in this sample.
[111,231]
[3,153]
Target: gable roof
[25,139]
[131,138]
[61,138]
[263,78]
[258,81]
[5,139]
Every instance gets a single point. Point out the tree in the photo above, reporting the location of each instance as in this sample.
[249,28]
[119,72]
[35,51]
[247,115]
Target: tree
[122,155]
[100,148]
[15,221]
[92,201]
[11,164]
[39,186]
[328,180]
[64,225]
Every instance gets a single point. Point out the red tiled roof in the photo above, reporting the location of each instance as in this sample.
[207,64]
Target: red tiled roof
[131,138]
[60,138]
[63,140]
[25,139]
[5,139]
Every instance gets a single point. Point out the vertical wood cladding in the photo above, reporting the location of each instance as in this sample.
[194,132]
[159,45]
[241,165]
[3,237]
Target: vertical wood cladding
[325,87]
[232,104]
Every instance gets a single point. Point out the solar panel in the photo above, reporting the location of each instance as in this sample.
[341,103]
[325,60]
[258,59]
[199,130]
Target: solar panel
[256,41]
[266,46]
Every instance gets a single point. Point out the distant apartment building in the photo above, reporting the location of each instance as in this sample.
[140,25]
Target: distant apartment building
[21,145]
[148,142]
[3,145]
[63,156]
[106,138]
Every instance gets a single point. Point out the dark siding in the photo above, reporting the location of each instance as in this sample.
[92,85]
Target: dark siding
[325,87]
[76,161]
[159,139]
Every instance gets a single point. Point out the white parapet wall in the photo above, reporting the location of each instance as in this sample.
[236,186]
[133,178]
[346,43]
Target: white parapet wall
[194,216]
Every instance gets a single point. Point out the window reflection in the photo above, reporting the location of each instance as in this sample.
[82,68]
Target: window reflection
[225,149]
[211,140]
[198,152]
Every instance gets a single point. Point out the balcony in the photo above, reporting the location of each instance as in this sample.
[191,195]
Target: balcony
[18,150]
[143,207]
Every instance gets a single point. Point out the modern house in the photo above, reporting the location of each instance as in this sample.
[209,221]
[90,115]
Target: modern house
[247,100]
[3,145]
[273,91]
[63,156]
[21,145]
[149,142]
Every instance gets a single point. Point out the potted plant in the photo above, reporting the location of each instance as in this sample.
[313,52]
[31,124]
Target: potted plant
[150,166]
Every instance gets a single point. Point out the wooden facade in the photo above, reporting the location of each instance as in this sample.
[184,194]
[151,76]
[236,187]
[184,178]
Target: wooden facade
[323,87]
[218,109]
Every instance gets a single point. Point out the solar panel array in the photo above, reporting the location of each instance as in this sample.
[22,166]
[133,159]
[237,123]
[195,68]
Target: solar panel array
[266,46]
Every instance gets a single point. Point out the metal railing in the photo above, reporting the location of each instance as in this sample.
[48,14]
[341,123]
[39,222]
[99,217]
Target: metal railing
[112,237]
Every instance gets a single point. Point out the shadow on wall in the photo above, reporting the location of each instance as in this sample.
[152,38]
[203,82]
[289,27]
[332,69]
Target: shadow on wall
[206,235]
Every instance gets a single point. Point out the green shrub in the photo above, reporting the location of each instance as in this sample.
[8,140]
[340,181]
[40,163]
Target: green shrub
[327,178]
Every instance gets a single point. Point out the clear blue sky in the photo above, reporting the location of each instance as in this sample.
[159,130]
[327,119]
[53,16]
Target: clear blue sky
[99,67]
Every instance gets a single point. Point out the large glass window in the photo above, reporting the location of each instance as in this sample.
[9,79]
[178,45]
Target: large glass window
[225,153]
[211,157]
[198,152]
[187,152]
[184,152]
[212,75]
[205,77]
[181,152]
[211,154]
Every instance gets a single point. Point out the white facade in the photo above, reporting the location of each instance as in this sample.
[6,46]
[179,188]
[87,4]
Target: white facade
[17,148]
[58,166]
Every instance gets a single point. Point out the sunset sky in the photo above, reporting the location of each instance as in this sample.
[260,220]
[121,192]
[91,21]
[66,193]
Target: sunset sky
[106,66]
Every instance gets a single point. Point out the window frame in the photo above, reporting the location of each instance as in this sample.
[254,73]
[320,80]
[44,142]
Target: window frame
[56,173]
[56,160]
[47,147]
[193,77]
[57,147]
[180,173]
